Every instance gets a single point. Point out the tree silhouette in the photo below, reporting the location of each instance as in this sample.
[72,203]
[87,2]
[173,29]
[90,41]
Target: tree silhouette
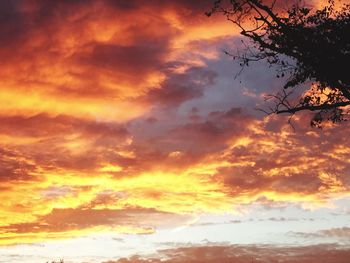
[305,46]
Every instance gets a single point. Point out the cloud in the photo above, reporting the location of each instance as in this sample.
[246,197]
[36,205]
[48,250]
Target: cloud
[103,168]
[43,125]
[216,223]
[63,220]
[213,132]
[93,60]
[131,59]
[180,87]
[106,106]
[340,233]
[13,168]
[286,161]
[62,141]
[343,232]
[240,254]
[94,167]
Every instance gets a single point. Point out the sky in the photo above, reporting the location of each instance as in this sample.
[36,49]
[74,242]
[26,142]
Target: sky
[125,137]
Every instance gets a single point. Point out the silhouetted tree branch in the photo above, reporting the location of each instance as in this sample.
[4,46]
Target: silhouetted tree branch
[305,45]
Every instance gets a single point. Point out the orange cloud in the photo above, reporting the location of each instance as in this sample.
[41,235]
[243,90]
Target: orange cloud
[77,167]
[91,62]
[92,136]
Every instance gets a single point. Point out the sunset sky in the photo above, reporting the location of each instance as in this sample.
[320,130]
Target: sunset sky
[126,138]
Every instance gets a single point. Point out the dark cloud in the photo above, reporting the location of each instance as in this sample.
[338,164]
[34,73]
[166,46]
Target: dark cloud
[135,60]
[189,142]
[181,87]
[194,7]
[13,23]
[213,132]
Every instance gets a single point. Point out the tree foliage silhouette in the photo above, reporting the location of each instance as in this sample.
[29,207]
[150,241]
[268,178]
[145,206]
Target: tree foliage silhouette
[60,261]
[305,45]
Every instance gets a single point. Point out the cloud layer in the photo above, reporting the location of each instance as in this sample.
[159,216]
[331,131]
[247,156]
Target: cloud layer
[109,122]
[241,254]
